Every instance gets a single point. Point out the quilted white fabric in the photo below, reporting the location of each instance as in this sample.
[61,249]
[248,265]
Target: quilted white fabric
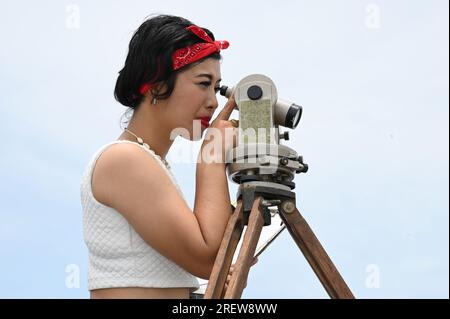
[118,256]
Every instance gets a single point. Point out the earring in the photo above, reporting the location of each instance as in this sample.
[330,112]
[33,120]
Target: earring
[154,100]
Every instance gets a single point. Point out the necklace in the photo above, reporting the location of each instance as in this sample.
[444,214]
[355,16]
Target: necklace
[141,142]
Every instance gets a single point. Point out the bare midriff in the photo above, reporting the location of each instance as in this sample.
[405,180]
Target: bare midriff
[140,293]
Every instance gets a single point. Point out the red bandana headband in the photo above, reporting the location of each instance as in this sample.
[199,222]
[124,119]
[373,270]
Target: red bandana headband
[193,53]
[185,56]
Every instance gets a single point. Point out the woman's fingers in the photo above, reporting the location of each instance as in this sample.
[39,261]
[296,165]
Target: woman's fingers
[227,282]
[234,122]
[227,110]
[232,267]
[230,273]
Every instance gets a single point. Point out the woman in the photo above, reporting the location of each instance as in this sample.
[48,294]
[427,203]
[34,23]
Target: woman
[143,239]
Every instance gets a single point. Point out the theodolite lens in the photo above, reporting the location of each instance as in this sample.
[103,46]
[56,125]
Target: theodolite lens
[287,114]
[294,115]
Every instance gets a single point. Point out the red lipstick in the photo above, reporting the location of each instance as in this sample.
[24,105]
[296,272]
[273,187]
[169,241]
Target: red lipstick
[205,121]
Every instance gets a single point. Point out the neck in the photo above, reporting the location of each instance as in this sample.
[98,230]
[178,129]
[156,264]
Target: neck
[148,123]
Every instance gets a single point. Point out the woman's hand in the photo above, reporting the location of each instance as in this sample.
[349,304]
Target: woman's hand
[221,136]
[230,273]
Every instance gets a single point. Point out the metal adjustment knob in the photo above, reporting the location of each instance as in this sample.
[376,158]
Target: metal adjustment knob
[304,166]
[285,136]
[284,161]
[254,92]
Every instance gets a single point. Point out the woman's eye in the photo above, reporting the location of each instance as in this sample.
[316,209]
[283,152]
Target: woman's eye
[206,84]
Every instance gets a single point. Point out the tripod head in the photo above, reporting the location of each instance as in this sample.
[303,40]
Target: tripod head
[259,157]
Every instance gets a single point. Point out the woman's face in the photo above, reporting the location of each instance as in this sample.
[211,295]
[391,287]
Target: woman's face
[193,97]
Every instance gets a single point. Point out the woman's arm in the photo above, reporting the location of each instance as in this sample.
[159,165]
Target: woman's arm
[212,204]
[212,198]
[136,186]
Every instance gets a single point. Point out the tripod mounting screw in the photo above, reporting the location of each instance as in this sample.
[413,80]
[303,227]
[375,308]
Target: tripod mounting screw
[288,207]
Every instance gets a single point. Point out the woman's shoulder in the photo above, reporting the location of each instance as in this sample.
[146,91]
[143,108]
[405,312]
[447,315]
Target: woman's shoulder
[116,154]
[117,158]
[121,152]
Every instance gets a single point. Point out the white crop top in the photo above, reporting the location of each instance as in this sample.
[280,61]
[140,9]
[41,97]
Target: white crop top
[118,256]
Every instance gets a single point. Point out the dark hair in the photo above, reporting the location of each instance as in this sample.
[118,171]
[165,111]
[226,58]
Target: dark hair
[149,57]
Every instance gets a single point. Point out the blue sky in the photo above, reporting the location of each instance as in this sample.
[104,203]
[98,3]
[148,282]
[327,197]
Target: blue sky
[372,77]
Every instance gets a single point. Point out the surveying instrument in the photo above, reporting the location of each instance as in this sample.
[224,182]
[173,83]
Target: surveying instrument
[265,170]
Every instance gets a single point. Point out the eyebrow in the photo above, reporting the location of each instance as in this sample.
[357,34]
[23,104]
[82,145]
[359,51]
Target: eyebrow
[209,76]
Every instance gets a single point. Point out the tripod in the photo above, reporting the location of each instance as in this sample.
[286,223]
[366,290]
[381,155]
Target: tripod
[252,210]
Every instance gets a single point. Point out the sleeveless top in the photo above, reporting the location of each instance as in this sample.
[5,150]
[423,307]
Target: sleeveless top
[118,256]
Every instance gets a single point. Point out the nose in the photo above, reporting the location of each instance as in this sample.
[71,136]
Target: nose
[213,103]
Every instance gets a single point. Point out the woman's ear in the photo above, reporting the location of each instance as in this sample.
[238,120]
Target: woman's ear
[159,87]
[156,90]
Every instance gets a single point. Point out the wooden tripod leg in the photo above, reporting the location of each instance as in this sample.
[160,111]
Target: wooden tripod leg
[224,258]
[247,251]
[314,253]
